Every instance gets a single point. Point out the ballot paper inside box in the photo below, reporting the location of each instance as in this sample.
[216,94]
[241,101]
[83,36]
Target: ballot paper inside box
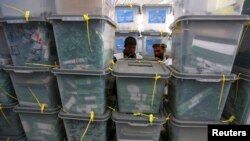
[82,91]
[7,93]
[198,97]
[30,43]
[204,42]
[41,126]
[238,100]
[75,125]
[10,121]
[84,45]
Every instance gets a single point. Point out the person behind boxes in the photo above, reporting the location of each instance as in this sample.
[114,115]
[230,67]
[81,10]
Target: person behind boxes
[159,53]
[129,50]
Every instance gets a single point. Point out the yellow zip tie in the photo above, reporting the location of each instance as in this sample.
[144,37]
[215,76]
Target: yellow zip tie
[154,89]
[130,5]
[237,87]
[168,117]
[160,62]
[92,115]
[243,36]
[27,15]
[7,94]
[150,117]
[112,62]
[161,32]
[222,90]
[14,8]
[86,18]
[113,109]
[42,65]
[5,117]
[110,69]
[42,106]
[230,120]
[132,29]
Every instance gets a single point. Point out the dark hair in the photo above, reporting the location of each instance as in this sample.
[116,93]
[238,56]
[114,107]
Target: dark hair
[164,46]
[130,41]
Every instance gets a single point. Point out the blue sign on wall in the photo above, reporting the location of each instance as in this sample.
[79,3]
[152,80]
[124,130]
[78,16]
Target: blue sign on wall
[125,16]
[157,16]
[119,43]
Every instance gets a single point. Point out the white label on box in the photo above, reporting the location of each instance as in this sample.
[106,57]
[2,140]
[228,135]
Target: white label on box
[214,46]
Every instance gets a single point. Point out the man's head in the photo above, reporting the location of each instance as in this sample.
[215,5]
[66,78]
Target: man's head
[159,50]
[130,47]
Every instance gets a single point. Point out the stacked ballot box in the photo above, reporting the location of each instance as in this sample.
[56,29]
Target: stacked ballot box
[10,124]
[84,33]
[203,51]
[140,88]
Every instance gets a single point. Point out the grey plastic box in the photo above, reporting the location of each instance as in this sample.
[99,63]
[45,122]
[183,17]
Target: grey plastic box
[30,43]
[135,80]
[137,128]
[149,39]
[207,7]
[156,17]
[71,36]
[17,8]
[7,93]
[5,58]
[238,104]
[126,17]
[13,138]
[198,97]
[11,125]
[120,37]
[31,83]
[75,125]
[188,130]
[82,91]
[91,7]
[242,60]
[204,45]
[46,126]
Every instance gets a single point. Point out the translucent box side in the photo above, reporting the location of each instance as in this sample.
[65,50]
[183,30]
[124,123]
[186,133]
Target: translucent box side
[91,7]
[82,94]
[72,37]
[138,95]
[7,93]
[97,131]
[42,86]
[17,8]
[13,124]
[192,100]
[198,50]
[31,43]
[42,126]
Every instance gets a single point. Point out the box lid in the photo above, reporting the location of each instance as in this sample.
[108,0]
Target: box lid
[140,68]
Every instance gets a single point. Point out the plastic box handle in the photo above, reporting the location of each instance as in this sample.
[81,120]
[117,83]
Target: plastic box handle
[140,64]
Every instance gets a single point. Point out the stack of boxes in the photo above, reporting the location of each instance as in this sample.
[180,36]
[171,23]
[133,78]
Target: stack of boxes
[140,88]
[31,43]
[205,40]
[9,121]
[84,32]
[237,104]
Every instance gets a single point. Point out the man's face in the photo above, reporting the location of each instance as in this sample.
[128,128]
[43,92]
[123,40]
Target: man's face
[159,52]
[130,49]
